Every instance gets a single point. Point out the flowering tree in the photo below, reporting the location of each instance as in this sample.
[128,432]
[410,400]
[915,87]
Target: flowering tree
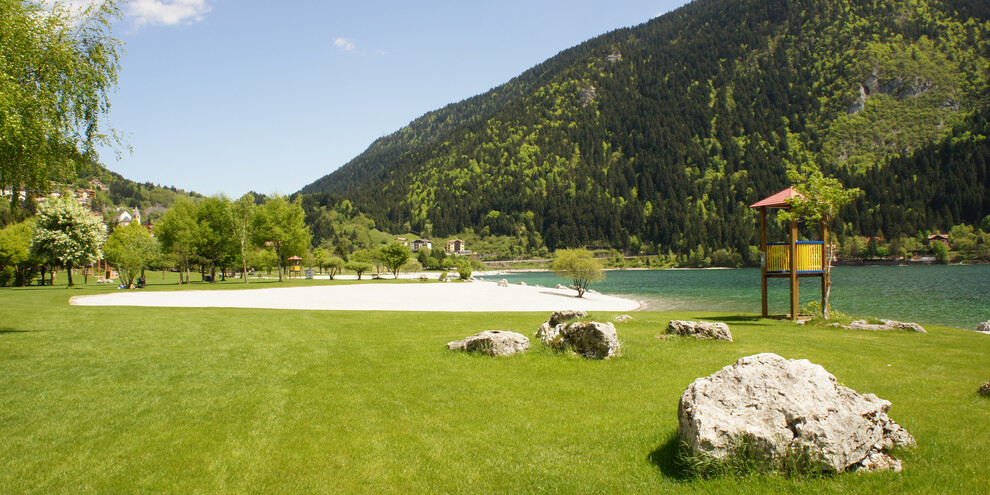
[68,235]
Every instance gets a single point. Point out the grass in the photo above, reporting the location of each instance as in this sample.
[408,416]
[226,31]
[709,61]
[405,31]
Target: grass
[205,400]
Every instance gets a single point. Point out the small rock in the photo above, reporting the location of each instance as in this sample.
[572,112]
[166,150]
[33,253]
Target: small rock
[985,389]
[886,325]
[560,287]
[705,330]
[622,318]
[984,327]
[493,343]
[503,283]
[782,405]
[521,283]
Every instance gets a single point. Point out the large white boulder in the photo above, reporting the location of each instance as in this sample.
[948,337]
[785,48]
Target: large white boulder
[780,405]
[591,339]
[549,331]
[493,343]
[984,327]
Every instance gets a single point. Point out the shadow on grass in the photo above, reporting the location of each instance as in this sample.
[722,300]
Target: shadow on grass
[666,458]
[4,330]
[749,320]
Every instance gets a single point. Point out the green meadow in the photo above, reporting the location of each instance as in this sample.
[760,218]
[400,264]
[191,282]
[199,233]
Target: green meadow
[163,400]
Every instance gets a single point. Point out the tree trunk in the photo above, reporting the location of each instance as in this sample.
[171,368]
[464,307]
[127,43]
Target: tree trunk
[68,272]
[278,259]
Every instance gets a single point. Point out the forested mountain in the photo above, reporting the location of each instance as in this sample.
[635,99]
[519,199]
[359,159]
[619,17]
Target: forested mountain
[662,134]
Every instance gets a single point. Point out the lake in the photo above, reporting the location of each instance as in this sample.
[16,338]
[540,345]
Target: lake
[956,296]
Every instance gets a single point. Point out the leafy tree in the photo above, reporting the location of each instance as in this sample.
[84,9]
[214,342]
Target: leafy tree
[15,251]
[57,72]
[394,256]
[941,252]
[819,200]
[358,267]
[320,256]
[579,266]
[241,215]
[280,225]
[464,271]
[178,234]
[131,249]
[67,235]
[333,265]
[216,240]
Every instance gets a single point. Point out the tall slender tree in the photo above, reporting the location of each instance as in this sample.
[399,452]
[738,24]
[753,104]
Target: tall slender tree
[280,225]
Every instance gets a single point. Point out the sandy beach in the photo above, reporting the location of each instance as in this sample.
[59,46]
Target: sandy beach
[452,296]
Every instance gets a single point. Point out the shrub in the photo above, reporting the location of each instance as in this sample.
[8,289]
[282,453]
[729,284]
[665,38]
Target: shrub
[465,272]
[7,276]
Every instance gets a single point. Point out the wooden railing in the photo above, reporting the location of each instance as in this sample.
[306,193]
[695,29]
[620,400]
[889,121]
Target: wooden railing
[809,257]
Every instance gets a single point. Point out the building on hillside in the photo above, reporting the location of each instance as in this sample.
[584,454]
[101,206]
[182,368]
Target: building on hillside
[420,244]
[124,218]
[98,185]
[402,240]
[943,238]
[454,246]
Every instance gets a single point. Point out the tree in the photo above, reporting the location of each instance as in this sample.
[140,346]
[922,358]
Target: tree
[131,249]
[818,200]
[57,72]
[320,257]
[241,214]
[15,251]
[358,267]
[280,225]
[216,240]
[333,265]
[177,233]
[68,235]
[579,266]
[394,256]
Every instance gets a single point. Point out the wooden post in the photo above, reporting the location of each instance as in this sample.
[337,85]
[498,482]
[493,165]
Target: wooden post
[763,249]
[793,270]
[825,261]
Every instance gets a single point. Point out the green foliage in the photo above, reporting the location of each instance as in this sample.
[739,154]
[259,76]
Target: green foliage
[131,249]
[15,252]
[279,224]
[704,113]
[394,256]
[178,234]
[333,265]
[941,252]
[57,73]
[578,265]
[358,267]
[216,241]
[67,235]
[464,271]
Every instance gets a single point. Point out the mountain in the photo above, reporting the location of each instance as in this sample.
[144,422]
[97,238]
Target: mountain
[660,135]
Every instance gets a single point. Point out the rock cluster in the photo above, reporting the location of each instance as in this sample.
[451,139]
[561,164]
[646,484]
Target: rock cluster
[985,389]
[493,343]
[781,406]
[591,339]
[622,318]
[503,283]
[705,330]
[984,327]
[886,325]
[548,331]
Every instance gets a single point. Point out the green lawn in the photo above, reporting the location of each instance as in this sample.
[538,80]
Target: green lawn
[123,400]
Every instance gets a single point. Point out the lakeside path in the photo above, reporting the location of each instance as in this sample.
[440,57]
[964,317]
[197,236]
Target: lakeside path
[453,297]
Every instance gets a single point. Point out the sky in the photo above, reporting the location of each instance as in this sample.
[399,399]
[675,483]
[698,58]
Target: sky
[230,96]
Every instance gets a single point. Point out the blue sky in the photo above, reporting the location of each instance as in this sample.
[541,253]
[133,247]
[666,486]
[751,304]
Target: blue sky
[237,95]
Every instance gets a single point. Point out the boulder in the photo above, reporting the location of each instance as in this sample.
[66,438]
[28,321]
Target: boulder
[984,327]
[548,331]
[503,283]
[493,343]
[704,330]
[560,287]
[591,339]
[521,283]
[885,325]
[779,406]
[985,389]
[622,318]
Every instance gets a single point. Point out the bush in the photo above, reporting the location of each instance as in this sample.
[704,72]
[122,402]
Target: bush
[465,272]
[7,276]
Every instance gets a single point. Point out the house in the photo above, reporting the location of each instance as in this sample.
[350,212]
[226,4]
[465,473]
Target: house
[420,244]
[943,238]
[454,246]
[402,240]
[124,218]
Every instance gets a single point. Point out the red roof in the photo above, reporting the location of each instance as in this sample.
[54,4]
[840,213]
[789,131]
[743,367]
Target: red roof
[295,258]
[778,200]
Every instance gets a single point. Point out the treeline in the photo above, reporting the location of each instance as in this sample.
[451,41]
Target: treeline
[658,137]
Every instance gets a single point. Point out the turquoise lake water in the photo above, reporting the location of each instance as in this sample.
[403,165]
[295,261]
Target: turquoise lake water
[956,296]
